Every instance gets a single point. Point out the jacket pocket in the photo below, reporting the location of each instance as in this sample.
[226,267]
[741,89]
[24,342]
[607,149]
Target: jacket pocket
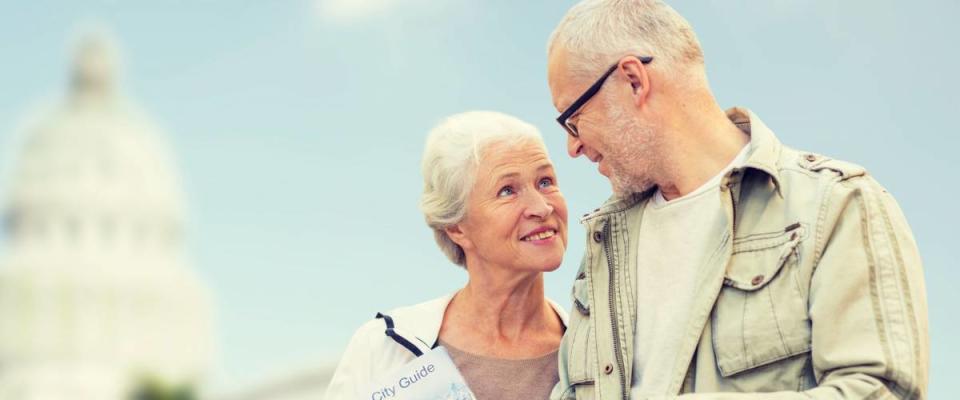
[582,364]
[760,315]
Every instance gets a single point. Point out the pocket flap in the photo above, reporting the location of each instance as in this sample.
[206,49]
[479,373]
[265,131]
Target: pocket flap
[757,259]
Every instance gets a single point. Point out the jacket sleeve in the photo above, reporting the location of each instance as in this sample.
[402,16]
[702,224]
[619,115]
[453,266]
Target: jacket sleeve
[867,302]
[356,367]
[564,390]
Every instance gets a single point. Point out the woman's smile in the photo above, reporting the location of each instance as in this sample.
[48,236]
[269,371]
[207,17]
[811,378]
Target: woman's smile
[540,236]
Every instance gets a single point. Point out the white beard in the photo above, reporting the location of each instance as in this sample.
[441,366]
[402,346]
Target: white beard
[631,153]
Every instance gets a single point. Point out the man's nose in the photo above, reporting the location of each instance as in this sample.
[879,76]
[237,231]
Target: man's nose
[574,146]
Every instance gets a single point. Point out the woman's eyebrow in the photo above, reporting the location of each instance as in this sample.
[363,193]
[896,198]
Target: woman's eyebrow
[508,175]
[515,174]
[545,165]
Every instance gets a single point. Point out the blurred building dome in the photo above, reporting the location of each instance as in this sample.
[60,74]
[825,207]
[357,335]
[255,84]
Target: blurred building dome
[95,291]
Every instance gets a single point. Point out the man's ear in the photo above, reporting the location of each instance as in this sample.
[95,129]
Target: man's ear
[636,73]
[458,236]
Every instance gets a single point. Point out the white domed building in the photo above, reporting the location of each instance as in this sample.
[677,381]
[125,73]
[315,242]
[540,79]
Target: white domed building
[96,293]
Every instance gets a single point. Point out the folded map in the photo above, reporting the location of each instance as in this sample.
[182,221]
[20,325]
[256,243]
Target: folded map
[432,376]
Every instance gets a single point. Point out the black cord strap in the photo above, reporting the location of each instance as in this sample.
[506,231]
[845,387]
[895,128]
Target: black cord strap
[396,337]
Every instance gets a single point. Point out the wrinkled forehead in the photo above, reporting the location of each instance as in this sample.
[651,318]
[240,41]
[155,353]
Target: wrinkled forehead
[512,148]
[522,154]
[559,79]
[564,88]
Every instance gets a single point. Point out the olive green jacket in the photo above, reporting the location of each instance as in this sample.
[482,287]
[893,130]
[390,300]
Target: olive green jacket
[816,290]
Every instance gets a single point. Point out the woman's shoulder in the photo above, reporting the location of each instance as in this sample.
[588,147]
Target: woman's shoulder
[429,309]
[372,352]
[421,321]
[564,317]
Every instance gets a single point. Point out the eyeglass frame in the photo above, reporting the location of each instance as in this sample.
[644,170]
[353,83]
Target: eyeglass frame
[564,118]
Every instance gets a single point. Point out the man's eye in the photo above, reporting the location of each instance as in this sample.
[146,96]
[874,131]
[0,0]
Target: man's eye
[505,191]
[545,183]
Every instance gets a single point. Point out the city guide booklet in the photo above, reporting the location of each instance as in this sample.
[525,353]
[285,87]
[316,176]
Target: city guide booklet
[432,376]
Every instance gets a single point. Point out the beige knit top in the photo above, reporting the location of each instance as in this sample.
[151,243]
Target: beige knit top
[499,379]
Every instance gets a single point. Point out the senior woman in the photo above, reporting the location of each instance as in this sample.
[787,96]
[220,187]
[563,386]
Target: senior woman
[490,195]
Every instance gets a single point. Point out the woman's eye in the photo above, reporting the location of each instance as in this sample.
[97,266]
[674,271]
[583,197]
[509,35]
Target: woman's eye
[545,183]
[505,191]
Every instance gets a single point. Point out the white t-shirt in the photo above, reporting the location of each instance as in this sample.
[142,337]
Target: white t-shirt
[675,239]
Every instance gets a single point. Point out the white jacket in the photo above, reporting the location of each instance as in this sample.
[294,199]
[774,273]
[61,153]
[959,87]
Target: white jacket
[371,352]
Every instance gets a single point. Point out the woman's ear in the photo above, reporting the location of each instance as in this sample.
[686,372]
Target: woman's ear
[458,236]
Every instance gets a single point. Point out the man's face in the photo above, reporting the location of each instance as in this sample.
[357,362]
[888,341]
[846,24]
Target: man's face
[612,133]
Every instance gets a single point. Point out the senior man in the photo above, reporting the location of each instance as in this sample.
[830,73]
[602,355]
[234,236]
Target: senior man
[726,265]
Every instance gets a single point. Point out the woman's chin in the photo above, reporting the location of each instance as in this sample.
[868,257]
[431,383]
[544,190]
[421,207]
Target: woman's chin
[546,264]
[552,267]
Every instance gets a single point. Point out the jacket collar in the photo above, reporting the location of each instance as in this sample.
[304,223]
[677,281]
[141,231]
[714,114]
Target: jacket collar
[765,148]
[764,155]
[420,323]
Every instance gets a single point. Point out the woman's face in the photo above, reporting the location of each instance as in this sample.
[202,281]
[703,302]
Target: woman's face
[516,216]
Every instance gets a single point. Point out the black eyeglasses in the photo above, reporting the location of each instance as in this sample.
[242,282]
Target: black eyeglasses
[564,118]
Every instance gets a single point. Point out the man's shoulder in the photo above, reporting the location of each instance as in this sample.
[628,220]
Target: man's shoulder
[831,181]
[807,164]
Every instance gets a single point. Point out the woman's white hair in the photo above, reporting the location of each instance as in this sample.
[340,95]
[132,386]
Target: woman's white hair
[598,32]
[453,151]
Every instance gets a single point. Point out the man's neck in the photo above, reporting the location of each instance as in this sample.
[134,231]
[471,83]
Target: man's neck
[700,145]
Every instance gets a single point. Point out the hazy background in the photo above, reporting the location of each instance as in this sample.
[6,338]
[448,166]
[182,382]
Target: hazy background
[298,127]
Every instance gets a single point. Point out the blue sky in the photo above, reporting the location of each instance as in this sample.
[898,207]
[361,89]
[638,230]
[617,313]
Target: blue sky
[298,127]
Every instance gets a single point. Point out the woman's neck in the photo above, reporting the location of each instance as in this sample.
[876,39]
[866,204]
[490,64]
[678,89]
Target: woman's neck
[506,317]
[505,310]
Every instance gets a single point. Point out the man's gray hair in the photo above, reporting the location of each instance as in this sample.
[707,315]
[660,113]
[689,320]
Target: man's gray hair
[453,151]
[598,32]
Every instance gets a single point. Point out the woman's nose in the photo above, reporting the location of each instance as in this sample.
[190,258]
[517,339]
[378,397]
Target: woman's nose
[538,206]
